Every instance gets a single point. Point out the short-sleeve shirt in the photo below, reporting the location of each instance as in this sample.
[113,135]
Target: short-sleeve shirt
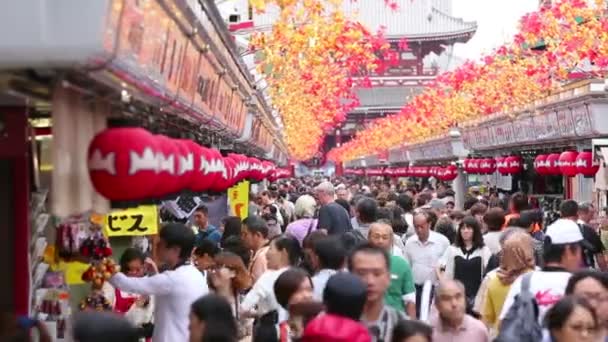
[402,283]
[334,218]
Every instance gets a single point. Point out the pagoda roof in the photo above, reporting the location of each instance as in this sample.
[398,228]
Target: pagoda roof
[385,97]
[413,20]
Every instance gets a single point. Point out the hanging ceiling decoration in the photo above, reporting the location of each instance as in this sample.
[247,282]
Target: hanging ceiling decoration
[551,45]
[307,60]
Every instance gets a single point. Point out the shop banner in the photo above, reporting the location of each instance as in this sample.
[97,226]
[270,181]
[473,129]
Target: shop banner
[142,220]
[238,197]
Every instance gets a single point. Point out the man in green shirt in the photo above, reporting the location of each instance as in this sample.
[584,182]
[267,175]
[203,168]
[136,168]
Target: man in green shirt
[401,293]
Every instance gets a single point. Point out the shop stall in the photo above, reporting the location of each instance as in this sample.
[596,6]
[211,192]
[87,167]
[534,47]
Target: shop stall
[566,121]
[73,72]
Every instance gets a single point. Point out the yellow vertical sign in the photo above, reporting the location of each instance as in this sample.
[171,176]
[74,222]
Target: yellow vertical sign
[238,199]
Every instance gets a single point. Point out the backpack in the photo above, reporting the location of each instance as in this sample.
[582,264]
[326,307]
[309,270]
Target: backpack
[353,238]
[521,322]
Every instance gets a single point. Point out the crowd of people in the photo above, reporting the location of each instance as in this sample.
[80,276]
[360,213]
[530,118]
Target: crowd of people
[349,261]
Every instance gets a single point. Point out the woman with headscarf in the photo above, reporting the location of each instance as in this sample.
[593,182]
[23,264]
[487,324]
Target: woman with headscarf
[517,258]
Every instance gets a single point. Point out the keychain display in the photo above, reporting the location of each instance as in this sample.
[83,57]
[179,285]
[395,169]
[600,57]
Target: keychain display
[95,301]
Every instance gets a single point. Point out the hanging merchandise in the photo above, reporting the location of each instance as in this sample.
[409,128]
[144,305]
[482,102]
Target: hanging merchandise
[540,164]
[586,165]
[552,164]
[567,163]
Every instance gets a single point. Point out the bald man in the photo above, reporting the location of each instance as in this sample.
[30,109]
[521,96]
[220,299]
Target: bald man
[401,293]
[453,324]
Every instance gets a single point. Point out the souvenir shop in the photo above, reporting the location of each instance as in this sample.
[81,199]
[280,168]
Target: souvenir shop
[545,149]
[147,108]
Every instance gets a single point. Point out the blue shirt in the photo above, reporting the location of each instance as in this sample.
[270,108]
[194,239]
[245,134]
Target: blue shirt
[211,234]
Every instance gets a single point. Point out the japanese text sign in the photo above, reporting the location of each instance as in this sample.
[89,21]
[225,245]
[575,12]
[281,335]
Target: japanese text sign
[238,198]
[142,220]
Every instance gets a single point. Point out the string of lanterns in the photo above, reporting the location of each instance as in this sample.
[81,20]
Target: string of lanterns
[131,164]
[568,163]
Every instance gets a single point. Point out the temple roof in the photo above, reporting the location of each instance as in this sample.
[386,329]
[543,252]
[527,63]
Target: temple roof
[414,20]
[385,97]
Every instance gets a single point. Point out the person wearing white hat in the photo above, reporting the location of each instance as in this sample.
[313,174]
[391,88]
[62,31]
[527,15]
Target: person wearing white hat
[562,256]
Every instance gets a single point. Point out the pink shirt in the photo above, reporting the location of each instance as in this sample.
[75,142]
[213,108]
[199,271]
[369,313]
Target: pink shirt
[471,330]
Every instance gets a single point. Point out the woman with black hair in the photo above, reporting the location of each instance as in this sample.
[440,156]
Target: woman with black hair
[137,309]
[571,319]
[592,285]
[231,226]
[261,302]
[292,287]
[211,320]
[412,331]
[467,259]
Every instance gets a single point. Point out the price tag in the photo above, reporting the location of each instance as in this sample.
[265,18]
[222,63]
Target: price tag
[142,220]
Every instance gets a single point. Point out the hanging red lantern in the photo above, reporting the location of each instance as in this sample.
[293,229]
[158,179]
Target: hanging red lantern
[241,167]
[450,173]
[474,166]
[255,169]
[514,165]
[424,171]
[189,162]
[389,172]
[123,164]
[443,174]
[467,165]
[226,179]
[540,164]
[487,166]
[168,167]
[552,164]
[567,163]
[586,165]
[501,165]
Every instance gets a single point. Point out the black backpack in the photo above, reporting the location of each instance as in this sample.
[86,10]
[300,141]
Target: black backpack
[521,322]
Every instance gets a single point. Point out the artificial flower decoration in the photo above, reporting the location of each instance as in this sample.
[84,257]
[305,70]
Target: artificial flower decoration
[308,60]
[564,41]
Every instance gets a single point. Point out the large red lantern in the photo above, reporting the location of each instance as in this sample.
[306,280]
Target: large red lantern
[226,179]
[389,172]
[501,165]
[567,163]
[471,166]
[514,165]
[450,173]
[256,169]
[168,167]
[424,171]
[487,166]
[552,164]
[215,168]
[123,163]
[189,163]
[586,165]
[540,164]
[241,167]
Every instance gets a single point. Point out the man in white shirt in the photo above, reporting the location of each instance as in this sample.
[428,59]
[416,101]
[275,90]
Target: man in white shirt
[176,289]
[331,254]
[562,256]
[423,251]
